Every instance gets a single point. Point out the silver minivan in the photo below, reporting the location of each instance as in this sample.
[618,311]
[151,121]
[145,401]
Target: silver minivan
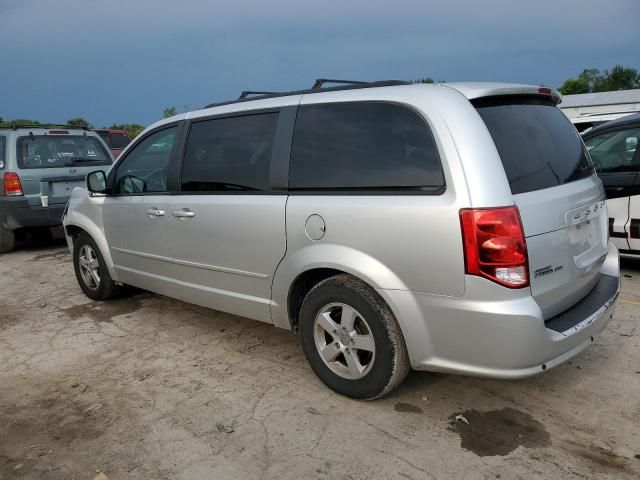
[39,167]
[454,228]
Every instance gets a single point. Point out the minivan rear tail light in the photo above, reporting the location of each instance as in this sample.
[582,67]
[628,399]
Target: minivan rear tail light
[494,245]
[11,182]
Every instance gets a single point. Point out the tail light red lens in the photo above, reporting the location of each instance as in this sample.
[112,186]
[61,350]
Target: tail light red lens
[11,182]
[494,245]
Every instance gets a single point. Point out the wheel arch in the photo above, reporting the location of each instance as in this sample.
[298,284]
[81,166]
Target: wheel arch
[300,272]
[73,229]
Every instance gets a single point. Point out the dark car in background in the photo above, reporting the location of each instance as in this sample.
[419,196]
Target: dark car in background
[615,150]
[116,140]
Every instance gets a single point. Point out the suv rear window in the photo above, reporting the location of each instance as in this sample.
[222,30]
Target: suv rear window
[119,140]
[51,151]
[537,143]
[363,146]
[106,137]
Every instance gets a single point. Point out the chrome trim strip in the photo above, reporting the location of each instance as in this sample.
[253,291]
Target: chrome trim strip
[192,264]
[217,291]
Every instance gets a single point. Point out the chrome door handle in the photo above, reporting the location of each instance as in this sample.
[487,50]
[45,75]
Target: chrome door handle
[155,212]
[185,213]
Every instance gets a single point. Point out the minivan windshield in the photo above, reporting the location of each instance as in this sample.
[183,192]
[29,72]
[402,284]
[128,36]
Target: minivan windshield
[538,145]
[51,151]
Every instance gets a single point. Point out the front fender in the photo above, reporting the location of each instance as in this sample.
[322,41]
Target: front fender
[349,260]
[85,212]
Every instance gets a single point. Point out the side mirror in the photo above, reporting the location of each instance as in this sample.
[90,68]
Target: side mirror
[97,182]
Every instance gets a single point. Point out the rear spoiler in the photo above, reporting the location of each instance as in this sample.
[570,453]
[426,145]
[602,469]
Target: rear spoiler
[478,90]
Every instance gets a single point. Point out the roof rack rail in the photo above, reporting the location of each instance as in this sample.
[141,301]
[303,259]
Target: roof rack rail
[15,126]
[321,81]
[246,93]
[346,85]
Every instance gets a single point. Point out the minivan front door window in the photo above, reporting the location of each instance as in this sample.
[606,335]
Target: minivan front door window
[146,168]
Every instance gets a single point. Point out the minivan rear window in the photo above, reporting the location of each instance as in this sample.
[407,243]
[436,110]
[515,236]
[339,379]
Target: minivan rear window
[51,151]
[364,146]
[537,143]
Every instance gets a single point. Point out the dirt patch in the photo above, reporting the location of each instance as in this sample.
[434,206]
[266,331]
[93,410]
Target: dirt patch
[61,255]
[598,456]
[498,432]
[105,311]
[407,408]
[16,467]
[61,418]
[37,434]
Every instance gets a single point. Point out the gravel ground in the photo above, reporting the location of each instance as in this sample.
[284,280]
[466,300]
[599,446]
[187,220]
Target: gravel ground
[151,388]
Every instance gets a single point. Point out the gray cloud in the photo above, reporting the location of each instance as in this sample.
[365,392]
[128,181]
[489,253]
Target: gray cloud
[125,61]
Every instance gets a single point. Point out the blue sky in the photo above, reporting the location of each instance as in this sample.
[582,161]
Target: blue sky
[125,61]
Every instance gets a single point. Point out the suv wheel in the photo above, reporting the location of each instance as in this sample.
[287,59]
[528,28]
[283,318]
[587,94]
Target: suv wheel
[7,240]
[91,270]
[351,338]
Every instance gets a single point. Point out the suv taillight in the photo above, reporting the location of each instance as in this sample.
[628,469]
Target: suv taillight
[494,245]
[11,182]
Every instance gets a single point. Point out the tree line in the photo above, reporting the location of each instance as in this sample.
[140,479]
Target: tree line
[592,80]
[589,81]
[132,129]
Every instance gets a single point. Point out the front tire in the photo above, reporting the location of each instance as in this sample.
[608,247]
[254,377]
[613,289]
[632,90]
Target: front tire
[351,338]
[91,270]
[7,240]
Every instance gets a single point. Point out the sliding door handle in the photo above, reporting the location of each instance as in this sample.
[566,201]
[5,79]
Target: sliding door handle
[155,212]
[184,213]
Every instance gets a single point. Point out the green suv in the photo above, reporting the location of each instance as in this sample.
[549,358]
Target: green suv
[39,167]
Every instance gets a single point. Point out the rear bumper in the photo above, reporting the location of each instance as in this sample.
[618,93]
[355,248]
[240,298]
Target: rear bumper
[15,213]
[504,337]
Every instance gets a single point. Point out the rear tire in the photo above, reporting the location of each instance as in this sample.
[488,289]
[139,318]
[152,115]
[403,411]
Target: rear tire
[91,270]
[351,338]
[7,240]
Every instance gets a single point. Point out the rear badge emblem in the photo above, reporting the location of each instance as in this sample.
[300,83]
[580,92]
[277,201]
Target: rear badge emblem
[548,270]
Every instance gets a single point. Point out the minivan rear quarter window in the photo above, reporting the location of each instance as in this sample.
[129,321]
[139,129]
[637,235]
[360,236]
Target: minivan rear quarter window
[364,146]
[538,145]
[51,151]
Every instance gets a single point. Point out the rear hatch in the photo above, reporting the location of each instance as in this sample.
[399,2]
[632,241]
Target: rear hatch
[51,165]
[561,201]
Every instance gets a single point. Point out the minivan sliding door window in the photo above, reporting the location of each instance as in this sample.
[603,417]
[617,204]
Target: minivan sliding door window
[229,155]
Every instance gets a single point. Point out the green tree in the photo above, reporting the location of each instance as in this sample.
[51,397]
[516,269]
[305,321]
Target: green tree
[19,121]
[132,129]
[593,80]
[424,80]
[169,112]
[621,78]
[79,122]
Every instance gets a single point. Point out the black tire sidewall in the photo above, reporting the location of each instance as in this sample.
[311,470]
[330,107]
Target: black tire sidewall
[7,240]
[371,309]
